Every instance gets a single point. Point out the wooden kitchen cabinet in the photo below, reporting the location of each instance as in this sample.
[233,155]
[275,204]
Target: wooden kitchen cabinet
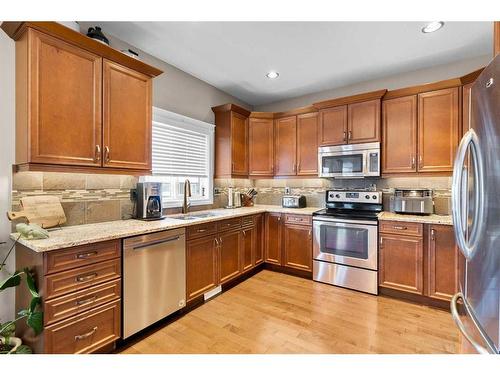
[231,141]
[261,146]
[399,134]
[307,144]
[81,106]
[126,117]
[229,255]
[259,239]
[466,90]
[285,131]
[401,263]
[248,242]
[273,238]
[438,129]
[297,247]
[443,259]
[363,120]
[332,126]
[202,257]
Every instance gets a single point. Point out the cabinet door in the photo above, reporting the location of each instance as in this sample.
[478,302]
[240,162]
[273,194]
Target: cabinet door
[239,144]
[442,263]
[126,118]
[399,134]
[333,126]
[261,147]
[363,121]
[401,263]
[259,239]
[201,266]
[273,238]
[247,248]
[465,107]
[298,247]
[229,248]
[64,103]
[285,159]
[438,130]
[307,144]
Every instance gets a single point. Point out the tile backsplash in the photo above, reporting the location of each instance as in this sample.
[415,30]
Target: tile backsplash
[86,198]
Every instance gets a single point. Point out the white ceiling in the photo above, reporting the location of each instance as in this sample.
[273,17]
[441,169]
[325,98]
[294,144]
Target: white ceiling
[310,56]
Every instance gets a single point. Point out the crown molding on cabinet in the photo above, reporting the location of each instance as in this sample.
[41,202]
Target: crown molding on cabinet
[16,29]
[366,96]
[231,107]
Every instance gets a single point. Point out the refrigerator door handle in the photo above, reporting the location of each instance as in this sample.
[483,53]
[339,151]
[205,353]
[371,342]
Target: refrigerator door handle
[459,195]
[456,317]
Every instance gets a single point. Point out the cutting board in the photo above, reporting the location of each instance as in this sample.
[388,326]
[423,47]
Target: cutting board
[44,210]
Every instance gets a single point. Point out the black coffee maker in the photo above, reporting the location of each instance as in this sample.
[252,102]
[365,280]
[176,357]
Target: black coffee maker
[148,206]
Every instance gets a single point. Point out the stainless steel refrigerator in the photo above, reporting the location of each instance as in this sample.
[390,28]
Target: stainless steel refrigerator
[476,215]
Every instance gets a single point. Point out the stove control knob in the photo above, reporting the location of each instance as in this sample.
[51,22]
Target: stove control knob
[374,196]
[337,196]
[367,196]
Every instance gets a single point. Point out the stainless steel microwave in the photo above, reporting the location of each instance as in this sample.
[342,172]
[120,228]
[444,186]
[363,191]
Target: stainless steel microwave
[349,161]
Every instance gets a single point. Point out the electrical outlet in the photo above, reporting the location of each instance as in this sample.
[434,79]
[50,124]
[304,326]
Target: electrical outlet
[217,191]
[287,190]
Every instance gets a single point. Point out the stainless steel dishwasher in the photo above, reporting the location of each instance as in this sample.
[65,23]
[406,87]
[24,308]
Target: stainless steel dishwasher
[154,278]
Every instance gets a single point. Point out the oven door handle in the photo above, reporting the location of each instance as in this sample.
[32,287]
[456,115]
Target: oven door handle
[345,221]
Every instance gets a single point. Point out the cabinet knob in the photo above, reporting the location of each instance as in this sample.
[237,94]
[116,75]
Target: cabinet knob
[413,162]
[97,154]
[106,154]
[350,134]
[433,234]
[345,136]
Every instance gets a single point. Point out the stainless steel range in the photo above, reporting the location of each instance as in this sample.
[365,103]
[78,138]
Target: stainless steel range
[345,246]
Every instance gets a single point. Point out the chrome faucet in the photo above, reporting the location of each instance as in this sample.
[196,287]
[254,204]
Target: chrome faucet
[187,193]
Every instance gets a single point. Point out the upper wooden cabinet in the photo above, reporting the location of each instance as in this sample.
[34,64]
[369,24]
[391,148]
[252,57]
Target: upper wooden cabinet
[285,132]
[307,144]
[399,134]
[127,118]
[466,91]
[438,129]
[420,132]
[351,119]
[80,105]
[231,141]
[261,146]
[363,122]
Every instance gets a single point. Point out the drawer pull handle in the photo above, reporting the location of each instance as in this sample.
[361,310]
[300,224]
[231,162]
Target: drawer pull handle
[400,228]
[85,301]
[201,230]
[86,255]
[86,277]
[86,335]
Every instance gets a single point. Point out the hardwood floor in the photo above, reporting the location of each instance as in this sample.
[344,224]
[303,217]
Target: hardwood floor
[277,313]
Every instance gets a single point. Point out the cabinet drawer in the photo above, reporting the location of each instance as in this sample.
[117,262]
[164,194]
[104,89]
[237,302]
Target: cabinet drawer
[66,306]
[298,219]
[80,278]
[86,332]
[229,224]
[65,259]
[401,227]
[201,230]
[247,221]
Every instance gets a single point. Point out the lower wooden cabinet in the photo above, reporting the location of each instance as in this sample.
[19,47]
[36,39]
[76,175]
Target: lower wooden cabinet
[401,263]
[424,261]
[248,241]
[273,238]
[201,266]
[229,255]
[259,239]
[443,259]
[297,247]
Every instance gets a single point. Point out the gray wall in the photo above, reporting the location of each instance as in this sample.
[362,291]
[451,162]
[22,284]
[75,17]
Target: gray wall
[176,90]
[397,81]
[7,121]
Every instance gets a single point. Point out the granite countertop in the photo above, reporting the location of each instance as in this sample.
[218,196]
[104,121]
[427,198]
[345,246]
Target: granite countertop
[426,219]
[91,233]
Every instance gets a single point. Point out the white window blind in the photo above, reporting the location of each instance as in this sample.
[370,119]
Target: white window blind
[179,152]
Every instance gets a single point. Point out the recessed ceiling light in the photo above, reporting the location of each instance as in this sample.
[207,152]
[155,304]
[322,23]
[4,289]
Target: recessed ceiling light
[272,75]
[433,26]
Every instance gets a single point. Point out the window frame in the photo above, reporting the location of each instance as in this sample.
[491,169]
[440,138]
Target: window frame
[180,121]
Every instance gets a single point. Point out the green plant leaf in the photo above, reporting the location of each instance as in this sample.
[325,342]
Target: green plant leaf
[7,329]
[11,281]
[23,313]
[23,349]
[35,301]
[35,321]
[31,283]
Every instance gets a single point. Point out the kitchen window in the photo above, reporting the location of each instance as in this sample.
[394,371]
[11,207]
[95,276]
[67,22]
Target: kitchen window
[183,148]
